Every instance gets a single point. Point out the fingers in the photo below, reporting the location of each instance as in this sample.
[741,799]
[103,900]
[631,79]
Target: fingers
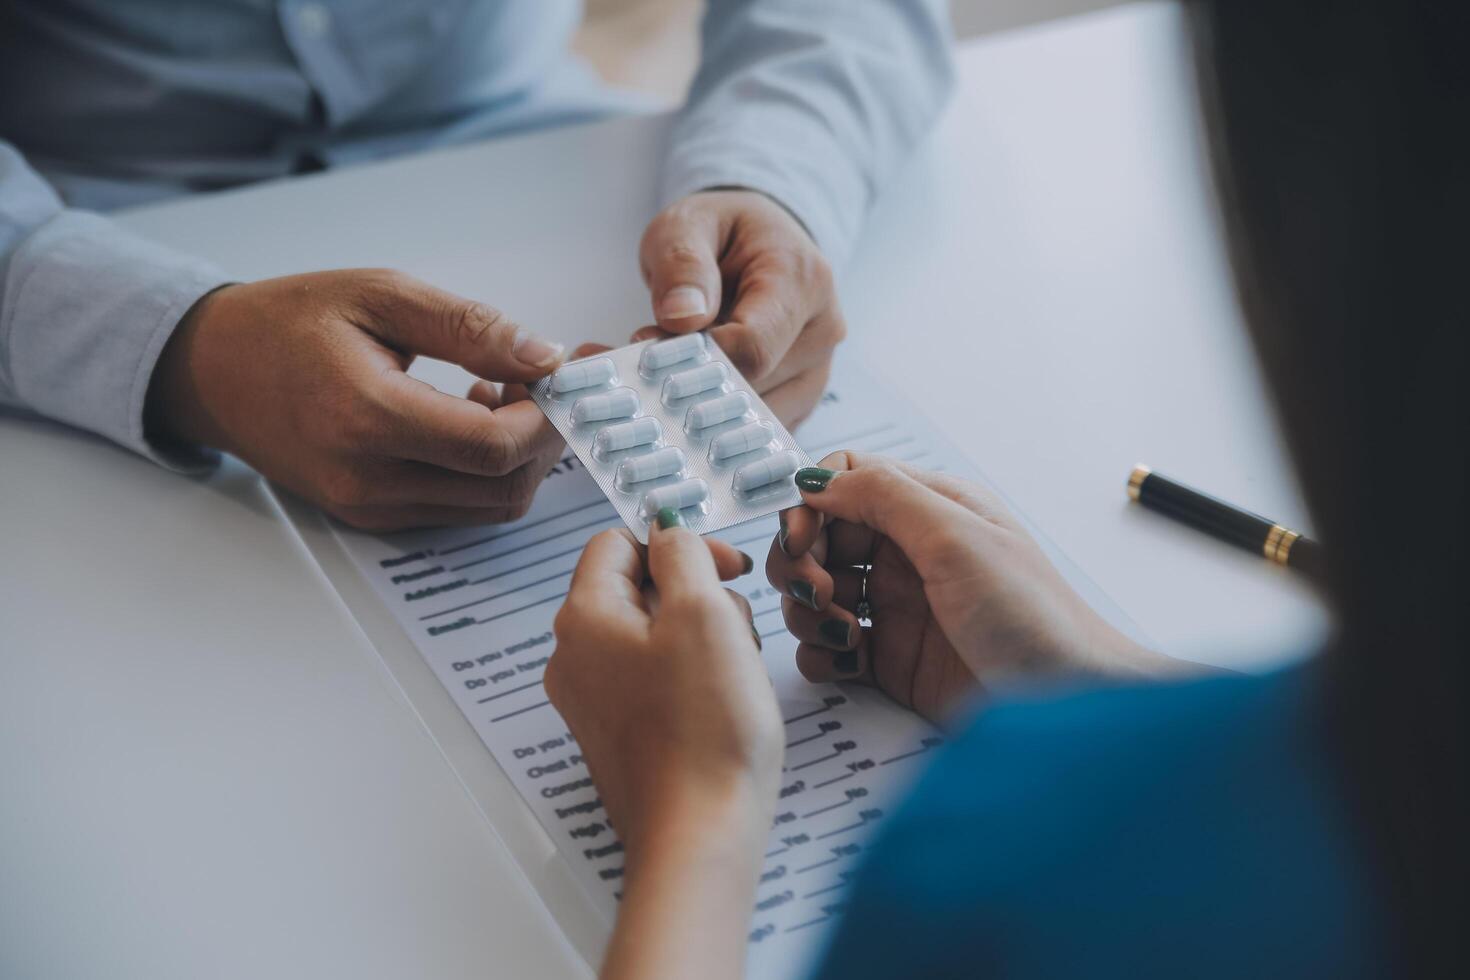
[803,578]
[424,424]
[415,317]
[770,311]
[487,393]
[681,267]
[833,627]
[681,565]
[730,561]
[792,401]
[608,579]
[874,493]
[821,664]
[784,321]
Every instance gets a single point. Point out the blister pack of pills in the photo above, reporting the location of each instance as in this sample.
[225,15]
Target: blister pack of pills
[672,423]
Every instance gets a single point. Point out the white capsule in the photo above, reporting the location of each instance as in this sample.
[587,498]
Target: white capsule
[620,403]
[687,493]
[640,469]
[583,374]
[626,435]
[695,380]
[666,352]
[717,410]
[778,466]
[741,440]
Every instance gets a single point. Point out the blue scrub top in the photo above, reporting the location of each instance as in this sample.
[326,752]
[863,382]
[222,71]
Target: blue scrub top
[1194,830]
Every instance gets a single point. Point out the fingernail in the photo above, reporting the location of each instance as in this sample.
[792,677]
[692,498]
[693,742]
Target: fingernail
[749,563]
[837,632]
[782,535]
[757,634]
[669,517]
[531,349]
[814,479]
[803,592]
[681,302]
[845,663]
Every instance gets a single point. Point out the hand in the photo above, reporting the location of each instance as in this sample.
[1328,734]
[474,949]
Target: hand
[304,378]
[738,259]
[657,674]
[960,595]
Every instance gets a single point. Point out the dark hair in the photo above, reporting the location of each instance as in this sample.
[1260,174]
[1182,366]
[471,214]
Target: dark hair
[1339,131]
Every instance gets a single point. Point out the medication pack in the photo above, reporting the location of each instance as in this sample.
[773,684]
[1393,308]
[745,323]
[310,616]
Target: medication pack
[672,423]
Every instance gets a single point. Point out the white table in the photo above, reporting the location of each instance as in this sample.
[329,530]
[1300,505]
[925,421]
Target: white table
[206,770]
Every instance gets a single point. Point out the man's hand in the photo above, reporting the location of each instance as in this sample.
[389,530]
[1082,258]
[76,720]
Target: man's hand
[738,259]
[304,378]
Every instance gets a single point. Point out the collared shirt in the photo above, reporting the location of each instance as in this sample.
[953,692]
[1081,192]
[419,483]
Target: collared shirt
[106,104]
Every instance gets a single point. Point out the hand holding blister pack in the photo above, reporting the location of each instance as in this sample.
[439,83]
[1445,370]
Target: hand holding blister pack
[672,423]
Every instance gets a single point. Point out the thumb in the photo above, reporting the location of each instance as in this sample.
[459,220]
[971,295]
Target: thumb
[681,268]
[871,492]
[420,319]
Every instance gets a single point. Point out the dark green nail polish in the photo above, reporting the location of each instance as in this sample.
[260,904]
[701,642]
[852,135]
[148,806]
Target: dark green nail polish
[669,517]
[814,479]
[748,563]
[803,592]
[836,632]
[757,634]
[845,663]
[782,534]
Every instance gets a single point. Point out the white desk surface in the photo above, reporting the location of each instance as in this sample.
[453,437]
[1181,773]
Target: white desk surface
[207,771]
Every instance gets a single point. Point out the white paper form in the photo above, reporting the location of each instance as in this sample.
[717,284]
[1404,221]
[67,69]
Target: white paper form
[478,604]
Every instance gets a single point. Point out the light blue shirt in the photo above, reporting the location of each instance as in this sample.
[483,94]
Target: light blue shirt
[106,104]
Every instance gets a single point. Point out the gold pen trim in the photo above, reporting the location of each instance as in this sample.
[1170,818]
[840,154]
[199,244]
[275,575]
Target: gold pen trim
[1135,480]
[1278,543]
[1283,547]
[1273,538]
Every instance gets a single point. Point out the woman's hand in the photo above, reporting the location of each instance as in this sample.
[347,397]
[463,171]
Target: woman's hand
[657,672]
[737,259]
[960,595]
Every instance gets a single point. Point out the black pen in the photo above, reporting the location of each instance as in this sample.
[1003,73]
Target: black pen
[1220,520]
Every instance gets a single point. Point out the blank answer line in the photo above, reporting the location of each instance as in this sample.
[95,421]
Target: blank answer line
[834,779]
[519,711]
[532,544]
[529,564]
[496,595]
[906,755]
[825,809]
[501,694]
[516,530]
[809,922]
[815,761]
[512,612]
[819,864]
[814,712]
[803,741]
[842,830]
